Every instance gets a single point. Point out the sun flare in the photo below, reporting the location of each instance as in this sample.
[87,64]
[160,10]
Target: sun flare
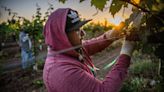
[116,21]
[136,1]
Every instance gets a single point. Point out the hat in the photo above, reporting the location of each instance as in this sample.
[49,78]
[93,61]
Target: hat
[73,21]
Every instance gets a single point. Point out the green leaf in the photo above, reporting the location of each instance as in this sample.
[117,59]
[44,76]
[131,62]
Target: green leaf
[131,18]
[100,4]
[137,20]
[81,1]
[160,1]
[62,1]
[116,6]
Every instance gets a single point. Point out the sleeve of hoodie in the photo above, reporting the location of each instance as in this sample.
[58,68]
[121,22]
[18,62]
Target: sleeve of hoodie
[112,83]
[97,44]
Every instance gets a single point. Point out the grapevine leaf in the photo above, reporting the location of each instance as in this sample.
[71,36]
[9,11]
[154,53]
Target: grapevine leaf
[62,1]
[116,6]
[99,4]
[149,3]
[160,1]
[131,18]
[137,20]
[155,22]
[81,1]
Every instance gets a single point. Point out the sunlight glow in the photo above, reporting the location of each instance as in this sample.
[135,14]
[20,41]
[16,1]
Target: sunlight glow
[120,26]
[116,21]
[136,1]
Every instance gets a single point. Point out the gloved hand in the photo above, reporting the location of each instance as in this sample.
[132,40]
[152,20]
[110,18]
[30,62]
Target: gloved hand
[112,34]
[115,33]
[127,47]
[129,42]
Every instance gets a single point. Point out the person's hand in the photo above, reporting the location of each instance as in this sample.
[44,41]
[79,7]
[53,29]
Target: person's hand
[133,35]
[112,34]
[115,33]
[129,42]
[127,47]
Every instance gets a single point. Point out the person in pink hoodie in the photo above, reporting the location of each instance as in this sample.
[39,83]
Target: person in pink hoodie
[68,66]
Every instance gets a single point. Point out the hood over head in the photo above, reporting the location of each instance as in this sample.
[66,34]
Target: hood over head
[54,31]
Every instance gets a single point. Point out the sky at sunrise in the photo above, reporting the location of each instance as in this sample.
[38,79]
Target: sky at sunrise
[27,9]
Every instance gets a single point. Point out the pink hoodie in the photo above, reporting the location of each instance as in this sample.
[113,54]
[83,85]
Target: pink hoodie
[65,73]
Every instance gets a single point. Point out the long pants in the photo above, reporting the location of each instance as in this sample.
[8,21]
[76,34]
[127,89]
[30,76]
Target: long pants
[27,59]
